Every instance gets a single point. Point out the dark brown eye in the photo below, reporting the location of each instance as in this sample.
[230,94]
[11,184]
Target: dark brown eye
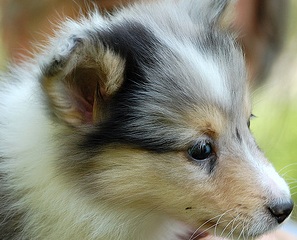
[201,150]
[249,121]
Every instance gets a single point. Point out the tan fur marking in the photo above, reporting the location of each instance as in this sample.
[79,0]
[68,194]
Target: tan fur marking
[171,180]
[82,84]
[210,121]
[228,16]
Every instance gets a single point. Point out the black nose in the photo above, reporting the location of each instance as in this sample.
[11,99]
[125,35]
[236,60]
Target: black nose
[281,211]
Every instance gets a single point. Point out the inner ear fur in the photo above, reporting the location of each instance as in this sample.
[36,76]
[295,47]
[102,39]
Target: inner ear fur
[80,80]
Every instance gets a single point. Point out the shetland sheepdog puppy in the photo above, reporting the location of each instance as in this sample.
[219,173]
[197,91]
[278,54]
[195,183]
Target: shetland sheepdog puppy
[135,126]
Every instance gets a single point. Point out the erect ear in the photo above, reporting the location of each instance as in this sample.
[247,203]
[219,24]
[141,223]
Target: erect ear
[214,12]
[80,79]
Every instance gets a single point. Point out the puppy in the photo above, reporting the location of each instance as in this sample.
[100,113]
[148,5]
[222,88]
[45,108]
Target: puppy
[135,126]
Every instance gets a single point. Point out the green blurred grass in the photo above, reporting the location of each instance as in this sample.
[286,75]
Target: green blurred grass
[275,104]
[276,132]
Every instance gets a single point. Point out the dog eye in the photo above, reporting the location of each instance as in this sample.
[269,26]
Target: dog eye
[201,150]
[249,121]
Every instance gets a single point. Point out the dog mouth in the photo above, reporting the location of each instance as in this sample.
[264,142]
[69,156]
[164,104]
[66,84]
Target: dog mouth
[199,235]
[195,235]
[208,231]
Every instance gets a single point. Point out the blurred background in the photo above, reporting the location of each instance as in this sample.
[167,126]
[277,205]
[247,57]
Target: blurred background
[268,34]
[275,107]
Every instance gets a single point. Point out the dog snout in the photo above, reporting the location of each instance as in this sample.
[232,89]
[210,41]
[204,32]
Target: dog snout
[281,211]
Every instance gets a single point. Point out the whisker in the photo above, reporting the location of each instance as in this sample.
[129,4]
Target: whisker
[233,229]
[285,167]
[286,175]
[206,222]
[204,231]
[245,225]
[231,222]
[292,188]
[217,223]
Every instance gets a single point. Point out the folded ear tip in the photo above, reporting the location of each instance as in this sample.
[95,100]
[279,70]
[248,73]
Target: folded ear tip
[74,75]
[53,68]
[62,55]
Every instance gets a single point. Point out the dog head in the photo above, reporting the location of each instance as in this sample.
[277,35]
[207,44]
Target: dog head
[155,112]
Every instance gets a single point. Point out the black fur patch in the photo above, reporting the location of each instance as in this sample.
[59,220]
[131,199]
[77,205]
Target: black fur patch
[137,46]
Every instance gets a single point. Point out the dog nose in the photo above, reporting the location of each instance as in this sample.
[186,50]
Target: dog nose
[281,211]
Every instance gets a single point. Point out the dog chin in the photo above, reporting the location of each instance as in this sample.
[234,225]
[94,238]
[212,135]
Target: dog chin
[209,232]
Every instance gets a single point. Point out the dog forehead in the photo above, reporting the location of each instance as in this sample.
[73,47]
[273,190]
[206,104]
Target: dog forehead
[173,54]
[198,84]
[192,49]
[205,68]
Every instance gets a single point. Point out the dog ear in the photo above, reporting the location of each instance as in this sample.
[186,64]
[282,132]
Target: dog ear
[213,12]
[80,79]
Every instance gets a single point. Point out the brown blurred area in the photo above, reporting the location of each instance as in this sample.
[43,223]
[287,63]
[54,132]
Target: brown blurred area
[25,22]
[261,26]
